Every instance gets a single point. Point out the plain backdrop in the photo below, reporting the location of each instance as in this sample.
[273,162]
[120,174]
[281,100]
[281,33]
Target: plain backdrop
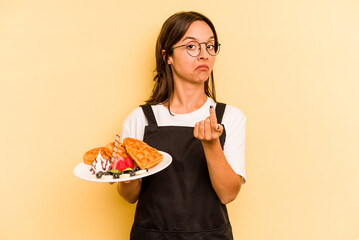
[72,70]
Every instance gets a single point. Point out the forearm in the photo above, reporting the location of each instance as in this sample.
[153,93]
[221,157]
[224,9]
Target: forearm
[225,181]
[130,191]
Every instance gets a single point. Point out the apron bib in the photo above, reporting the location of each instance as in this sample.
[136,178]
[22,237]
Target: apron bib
[179,202]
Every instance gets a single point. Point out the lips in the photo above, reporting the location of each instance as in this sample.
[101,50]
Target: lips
[202,67]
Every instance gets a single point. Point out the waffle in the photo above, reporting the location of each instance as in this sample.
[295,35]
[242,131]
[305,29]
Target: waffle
[140,152]
[106,152]
[91,155]
[121,151]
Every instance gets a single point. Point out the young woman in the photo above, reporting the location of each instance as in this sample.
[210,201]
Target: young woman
[187,200]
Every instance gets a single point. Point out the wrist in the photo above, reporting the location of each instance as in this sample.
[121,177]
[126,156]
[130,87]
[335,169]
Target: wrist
[211,144]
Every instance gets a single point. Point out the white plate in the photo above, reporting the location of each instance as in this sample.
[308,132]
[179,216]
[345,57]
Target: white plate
[82,171]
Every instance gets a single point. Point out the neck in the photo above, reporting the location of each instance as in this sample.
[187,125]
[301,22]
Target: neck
[187,98]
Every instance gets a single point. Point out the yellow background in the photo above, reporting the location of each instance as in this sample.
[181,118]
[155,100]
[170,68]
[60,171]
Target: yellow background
[71,71]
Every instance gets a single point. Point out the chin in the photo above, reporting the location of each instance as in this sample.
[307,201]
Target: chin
[202,78]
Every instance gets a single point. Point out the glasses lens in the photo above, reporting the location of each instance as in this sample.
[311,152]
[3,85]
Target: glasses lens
[212,48]
[193,48]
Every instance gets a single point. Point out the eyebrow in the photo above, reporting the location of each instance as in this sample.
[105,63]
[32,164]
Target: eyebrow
[193,38]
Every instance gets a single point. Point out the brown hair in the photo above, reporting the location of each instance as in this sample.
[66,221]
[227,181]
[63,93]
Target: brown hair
[173,29]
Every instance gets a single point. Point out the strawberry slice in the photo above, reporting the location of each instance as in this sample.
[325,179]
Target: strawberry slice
[121,165]
[115,162]
[128,162]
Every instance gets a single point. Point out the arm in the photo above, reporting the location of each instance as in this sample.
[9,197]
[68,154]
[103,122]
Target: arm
[133,126]
[225,181]
[130,190]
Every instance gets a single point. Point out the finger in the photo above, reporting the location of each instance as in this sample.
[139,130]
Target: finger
[207,129]
[213,117]
[195,131]
[219,128]
[201,129]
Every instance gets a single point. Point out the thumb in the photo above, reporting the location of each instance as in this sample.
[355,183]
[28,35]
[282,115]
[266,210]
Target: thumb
[219,128]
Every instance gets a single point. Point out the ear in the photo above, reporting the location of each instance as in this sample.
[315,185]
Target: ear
[169,62]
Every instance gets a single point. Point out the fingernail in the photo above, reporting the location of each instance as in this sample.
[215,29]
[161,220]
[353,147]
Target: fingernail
[211,107]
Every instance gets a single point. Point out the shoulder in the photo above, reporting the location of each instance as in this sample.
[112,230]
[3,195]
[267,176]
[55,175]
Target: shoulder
[135,116]
[134,124]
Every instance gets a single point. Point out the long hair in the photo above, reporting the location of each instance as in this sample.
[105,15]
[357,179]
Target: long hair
[173,29]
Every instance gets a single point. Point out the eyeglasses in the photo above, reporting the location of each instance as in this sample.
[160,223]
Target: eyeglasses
[193,48]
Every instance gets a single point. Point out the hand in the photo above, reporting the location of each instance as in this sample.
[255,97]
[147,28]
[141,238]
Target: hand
[208,130]
[129,181]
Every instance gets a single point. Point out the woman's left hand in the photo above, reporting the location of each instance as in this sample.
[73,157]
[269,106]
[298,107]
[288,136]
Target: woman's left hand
[226,183]
[208,130]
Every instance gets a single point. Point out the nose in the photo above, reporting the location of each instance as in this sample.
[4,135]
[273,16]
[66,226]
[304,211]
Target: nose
[203,54]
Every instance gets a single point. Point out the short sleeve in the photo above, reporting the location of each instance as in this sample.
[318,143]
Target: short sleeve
[134,125]
[234,122]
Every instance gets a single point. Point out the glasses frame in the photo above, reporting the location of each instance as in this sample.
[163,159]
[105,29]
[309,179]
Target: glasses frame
[216,45]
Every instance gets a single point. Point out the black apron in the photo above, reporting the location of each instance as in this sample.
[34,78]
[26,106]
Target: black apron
[179,202]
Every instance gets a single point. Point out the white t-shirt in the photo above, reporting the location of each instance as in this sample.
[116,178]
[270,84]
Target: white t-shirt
[233,120]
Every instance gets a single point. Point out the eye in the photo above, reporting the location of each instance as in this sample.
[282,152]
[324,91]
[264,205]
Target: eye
[191,46]
[211,46]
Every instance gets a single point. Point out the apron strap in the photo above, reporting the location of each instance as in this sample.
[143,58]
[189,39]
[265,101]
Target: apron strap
[220,107]
[147,109]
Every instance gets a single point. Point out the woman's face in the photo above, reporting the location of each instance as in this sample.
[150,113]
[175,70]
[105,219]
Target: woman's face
[193,69]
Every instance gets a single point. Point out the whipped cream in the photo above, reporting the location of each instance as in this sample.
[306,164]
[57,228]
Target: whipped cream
[100,164]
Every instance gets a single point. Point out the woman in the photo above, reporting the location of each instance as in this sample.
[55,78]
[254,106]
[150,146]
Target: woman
[187,199]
